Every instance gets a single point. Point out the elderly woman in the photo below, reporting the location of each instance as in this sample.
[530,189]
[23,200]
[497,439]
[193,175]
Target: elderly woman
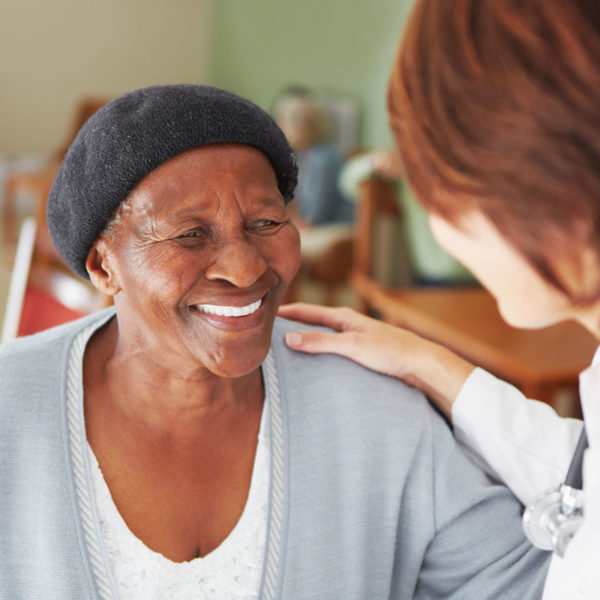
[496,110]
[173,447]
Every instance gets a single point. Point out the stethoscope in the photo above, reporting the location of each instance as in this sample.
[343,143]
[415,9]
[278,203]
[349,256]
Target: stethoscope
[556,515]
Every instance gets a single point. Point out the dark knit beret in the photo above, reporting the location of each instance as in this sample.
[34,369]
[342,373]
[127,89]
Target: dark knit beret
[134,134]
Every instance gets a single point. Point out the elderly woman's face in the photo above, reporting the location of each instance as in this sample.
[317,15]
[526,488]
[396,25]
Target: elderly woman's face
[203,257]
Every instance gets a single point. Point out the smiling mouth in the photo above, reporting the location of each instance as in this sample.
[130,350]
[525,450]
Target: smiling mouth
[229,311]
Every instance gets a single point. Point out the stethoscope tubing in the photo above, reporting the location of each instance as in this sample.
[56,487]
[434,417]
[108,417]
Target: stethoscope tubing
[574,476]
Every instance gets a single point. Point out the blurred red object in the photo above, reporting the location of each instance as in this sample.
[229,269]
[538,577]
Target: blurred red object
[41,311]
[43,292]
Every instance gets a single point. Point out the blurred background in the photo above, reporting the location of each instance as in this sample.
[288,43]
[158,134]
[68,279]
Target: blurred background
[321,68]
[53,55]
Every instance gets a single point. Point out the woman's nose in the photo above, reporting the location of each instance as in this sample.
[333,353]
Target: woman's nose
[238,262]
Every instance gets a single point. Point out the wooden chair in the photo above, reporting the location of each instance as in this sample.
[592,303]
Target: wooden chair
[333,268]
[43,292]
[327,259]
[37,184]
[380,253]
[376,197]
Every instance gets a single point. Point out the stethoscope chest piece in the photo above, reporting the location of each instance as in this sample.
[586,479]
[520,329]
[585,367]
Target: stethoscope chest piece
[556,515]
[554,518]
[541,519]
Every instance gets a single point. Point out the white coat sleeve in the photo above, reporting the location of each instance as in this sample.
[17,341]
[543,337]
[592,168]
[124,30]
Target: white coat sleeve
[522,443]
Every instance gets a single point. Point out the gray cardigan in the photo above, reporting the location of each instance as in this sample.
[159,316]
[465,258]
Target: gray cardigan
[370,497]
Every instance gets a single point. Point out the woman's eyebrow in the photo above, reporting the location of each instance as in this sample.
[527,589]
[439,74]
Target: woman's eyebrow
[167,225]
[269,197]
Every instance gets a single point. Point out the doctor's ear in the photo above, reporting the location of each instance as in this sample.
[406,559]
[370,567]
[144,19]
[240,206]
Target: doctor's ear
[98,265]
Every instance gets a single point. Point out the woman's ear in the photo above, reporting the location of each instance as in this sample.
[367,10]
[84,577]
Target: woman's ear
[99,268]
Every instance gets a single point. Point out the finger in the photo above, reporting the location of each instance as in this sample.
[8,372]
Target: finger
[314,342]
[299,310]
[313,314]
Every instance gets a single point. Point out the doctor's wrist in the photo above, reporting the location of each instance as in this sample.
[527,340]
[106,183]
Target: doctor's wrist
[440,374]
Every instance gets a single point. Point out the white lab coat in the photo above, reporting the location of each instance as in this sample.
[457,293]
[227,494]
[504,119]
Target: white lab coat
[527,446]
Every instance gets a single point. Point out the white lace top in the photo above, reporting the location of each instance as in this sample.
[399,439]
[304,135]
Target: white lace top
[233,570]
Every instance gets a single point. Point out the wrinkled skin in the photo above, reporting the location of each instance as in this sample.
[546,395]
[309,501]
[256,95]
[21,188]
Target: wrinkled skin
[207,227]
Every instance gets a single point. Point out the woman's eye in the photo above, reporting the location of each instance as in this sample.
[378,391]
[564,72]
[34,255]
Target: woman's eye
[191,236]
[266,225]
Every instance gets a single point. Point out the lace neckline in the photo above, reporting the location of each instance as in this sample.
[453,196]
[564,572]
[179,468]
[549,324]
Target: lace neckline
[233,569]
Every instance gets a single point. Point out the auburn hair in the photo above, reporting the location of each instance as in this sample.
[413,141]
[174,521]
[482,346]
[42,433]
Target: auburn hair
[495,106]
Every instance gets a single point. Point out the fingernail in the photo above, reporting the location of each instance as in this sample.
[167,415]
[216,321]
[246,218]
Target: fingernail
[293,339]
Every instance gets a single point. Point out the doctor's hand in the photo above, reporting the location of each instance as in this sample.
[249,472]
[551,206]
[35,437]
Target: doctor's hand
[432,368]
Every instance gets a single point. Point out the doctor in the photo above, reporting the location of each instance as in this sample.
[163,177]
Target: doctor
[495,107]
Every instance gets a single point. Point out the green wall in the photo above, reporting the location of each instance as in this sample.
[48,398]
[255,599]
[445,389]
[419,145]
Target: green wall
[338,46]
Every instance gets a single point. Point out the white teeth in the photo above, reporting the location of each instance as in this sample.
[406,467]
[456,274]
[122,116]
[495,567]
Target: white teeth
[229,311]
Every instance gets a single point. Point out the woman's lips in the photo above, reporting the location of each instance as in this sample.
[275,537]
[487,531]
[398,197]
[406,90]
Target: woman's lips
[230,317]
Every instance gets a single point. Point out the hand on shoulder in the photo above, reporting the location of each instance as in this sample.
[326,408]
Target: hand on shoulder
[381,347]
